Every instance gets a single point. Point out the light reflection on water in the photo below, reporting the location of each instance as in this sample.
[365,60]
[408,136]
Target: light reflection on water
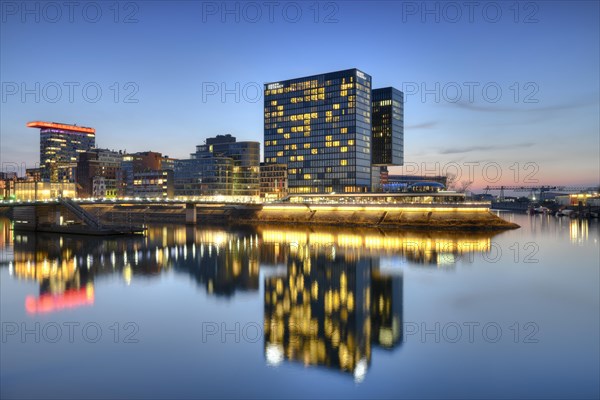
[359,302]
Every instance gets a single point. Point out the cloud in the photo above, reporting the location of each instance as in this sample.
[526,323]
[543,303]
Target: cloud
[468,149]
[527,108]
[424,125]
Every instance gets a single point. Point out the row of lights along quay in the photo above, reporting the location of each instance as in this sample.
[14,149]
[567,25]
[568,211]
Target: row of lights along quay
[328,139]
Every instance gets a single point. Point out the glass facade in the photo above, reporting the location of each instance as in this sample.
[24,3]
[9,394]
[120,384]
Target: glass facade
[221,166]
[388,127]
[320,127]
[245,174]
[204,176]
[59,152]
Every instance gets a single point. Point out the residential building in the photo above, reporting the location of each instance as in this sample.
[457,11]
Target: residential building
[99,173]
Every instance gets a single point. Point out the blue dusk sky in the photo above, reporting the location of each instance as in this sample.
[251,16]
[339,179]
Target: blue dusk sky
[507,92]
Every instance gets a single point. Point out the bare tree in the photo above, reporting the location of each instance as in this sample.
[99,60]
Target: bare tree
[450,181]
[464,186]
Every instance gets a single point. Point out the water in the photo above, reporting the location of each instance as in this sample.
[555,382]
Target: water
[274,312]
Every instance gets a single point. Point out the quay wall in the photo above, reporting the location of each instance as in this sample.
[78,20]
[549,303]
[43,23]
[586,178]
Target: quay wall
[428,217]
[439,217]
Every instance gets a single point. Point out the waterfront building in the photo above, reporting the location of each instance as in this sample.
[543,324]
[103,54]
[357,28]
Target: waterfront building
[273,180]
[167,163]
[34,174]
[7,184]
[203,176]
[153,184]
[99,173]
[25,190]
[323,128]
[60,146]
[246,162]
[320,127]
[401,183]
[136,163]
[221,166]
[388,127]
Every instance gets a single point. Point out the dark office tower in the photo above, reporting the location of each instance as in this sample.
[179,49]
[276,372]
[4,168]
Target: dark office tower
[320,127]
[388,127]
[60,146]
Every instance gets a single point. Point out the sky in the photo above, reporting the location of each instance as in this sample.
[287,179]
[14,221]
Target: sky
[498,93]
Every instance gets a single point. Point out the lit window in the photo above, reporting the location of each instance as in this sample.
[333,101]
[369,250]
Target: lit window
[343,162]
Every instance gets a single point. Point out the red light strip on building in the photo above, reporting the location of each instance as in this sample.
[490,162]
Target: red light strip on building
[73,128]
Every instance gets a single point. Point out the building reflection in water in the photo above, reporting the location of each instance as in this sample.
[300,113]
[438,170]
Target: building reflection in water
[333,302]
[425,248]
[66,266]
[578,230]
[328,306]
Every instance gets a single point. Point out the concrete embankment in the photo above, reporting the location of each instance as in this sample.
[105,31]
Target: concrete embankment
[390,217]
[442,217]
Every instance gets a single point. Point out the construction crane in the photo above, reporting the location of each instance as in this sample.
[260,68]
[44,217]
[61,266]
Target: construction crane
[541,189]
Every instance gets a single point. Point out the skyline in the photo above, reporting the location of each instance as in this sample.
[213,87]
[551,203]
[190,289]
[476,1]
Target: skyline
[554,61]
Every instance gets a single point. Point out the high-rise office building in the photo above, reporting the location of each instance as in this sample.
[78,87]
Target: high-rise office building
[388,127]
[334,133]
[60,146]
[320,127]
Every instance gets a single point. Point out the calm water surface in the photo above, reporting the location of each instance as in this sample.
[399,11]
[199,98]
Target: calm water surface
[275,312]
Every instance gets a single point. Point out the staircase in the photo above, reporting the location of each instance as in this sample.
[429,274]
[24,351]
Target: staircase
[79,212]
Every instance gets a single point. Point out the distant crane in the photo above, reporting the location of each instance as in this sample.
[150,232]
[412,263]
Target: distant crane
[541,189]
